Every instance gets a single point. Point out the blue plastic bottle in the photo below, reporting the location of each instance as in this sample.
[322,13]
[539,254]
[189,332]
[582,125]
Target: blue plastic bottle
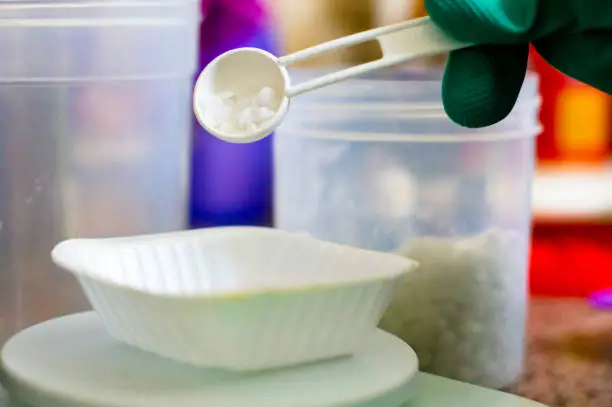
[231,184]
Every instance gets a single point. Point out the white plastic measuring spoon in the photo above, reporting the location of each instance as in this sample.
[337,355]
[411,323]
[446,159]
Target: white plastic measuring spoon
[245,71]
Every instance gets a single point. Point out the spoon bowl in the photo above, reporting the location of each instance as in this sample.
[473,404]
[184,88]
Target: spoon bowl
[242,72]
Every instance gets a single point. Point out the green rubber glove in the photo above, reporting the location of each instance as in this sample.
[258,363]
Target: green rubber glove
[481,83]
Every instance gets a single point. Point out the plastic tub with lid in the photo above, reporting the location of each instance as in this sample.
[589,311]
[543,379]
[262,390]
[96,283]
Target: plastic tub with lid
[376,163]
[95,125]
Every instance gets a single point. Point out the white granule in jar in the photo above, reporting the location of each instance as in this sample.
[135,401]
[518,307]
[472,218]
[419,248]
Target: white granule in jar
[237,115]
[463,311]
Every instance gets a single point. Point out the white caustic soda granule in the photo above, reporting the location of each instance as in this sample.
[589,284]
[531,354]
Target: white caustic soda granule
[237,115]
[463,311]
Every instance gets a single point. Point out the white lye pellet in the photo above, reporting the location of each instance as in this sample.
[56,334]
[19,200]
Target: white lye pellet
[264,113]
[227,127]
[243,103]
[266,97]
[246,118]
[251,128]
[247,115]
[231,113]
[224,113]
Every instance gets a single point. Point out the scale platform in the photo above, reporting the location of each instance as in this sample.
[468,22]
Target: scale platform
[72,362]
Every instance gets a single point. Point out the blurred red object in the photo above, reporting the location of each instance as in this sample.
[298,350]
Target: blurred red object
[576,118]
[571,260]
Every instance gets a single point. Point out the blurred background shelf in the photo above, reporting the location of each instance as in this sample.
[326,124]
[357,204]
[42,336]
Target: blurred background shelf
[573,193]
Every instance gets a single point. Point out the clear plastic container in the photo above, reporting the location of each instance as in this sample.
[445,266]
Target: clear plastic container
[376,163]
[95,126]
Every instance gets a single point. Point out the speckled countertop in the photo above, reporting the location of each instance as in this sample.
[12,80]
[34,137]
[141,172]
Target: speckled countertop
[569,355]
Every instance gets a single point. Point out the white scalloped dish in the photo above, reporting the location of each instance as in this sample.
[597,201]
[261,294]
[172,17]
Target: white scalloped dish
[240,298]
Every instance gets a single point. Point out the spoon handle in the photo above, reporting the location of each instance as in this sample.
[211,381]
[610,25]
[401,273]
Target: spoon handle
[399,43]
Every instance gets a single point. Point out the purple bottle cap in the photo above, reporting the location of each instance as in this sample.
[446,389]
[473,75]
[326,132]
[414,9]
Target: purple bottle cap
[602,299]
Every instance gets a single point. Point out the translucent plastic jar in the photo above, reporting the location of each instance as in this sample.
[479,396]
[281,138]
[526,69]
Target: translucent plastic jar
[375,163]
[95,125]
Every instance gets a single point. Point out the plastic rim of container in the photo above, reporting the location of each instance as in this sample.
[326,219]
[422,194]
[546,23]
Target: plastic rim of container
[531,132]
[75,13]
[393,85]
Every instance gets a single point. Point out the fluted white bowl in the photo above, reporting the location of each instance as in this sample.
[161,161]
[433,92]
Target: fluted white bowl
[240,298]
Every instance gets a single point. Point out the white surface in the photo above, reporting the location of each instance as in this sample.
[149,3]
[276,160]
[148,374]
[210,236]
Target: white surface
[72,362]
[426,391]
[238,297]
[244,71]
[573,193]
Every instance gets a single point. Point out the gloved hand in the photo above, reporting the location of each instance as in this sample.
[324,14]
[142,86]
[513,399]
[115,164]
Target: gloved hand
[481,83]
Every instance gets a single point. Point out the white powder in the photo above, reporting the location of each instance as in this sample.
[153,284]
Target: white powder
[463,310]
[240,115]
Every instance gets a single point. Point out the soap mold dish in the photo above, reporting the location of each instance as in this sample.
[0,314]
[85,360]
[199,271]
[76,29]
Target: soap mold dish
[239,298]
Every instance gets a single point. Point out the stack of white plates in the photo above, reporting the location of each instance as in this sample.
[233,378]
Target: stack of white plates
[73,362]
[229,317]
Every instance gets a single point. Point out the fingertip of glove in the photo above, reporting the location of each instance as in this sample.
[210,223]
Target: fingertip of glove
[481,84]
[477,117]
[473,106]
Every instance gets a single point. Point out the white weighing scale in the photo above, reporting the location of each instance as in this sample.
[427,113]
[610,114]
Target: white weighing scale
[72,362]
